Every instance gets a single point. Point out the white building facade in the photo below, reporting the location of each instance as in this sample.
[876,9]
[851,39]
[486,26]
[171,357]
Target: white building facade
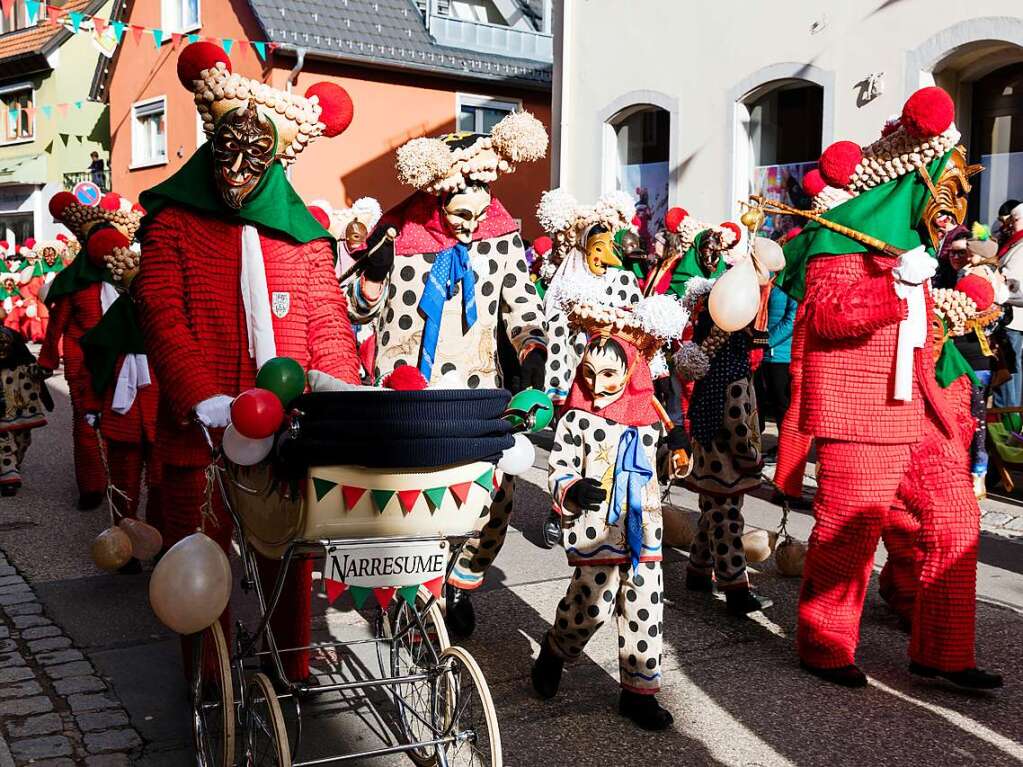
[699,103]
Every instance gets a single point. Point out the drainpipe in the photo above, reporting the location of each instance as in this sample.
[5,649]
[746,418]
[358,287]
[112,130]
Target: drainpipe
[292,79]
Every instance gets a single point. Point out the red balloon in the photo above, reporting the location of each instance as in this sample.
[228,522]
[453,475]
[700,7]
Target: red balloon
[257,413]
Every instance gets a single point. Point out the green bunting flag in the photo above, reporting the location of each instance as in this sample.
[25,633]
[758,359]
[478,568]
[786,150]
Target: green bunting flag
[157,37]
[32,10]
[76,20]
[359,595]
[381,498]
[118,30]
[227,43]
[260,49]
[486,480]
[435,497]
[322,486]
[408,593]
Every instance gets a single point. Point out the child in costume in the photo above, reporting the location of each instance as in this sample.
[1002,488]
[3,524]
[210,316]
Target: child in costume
[48,264]
[604,486]
[23,395]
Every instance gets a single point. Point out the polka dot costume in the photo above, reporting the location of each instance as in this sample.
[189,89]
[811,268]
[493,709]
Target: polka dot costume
[21,410]
[480,551]
[717,549]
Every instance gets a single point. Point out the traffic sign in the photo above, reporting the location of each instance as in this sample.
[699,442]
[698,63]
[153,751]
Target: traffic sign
[86,193]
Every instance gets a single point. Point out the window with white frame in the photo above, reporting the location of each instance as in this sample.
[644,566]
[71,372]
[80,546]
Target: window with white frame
[180,15]
[479,114]
[17,120]
[149,132]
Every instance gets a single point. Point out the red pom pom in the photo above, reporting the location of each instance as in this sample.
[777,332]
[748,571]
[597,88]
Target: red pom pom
[197,57]
[3,245]
[542,245]
[405,378]
[674,218]
[110,201]
[733,228]
[814,183]
[136,208]
[61,237]
[979,289]
[59,203]
[839,161]
[928,112]
[257,413]
[336,105]
[320,215]
[102,242]
[30,243]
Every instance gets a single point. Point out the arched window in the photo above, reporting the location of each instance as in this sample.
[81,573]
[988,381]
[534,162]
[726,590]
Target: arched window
[780,127]
[642,145]
[997,138]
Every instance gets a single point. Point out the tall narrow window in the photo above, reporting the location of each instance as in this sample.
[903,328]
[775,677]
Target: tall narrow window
[149,132]
[997,139]
[642,143]
[18,118]
[180,15]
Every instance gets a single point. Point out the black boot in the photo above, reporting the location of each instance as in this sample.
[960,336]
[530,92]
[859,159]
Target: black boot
[547,669]
[460,616]
[743,601]
[970,678]
[89,501]
[699,581]
[131,567]
[845,676]
[644,711]
[551,531]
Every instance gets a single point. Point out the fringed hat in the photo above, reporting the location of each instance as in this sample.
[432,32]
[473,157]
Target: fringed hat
[567,222]
[452,162]
[112,208]
[325,109]
[648,325]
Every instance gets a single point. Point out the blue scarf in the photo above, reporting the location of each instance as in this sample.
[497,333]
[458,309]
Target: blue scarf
[632,473]
[451,269]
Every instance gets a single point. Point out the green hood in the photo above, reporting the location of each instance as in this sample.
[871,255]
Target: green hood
[890,212]
[79,274]
[690,267]
[273,204]
[117,333]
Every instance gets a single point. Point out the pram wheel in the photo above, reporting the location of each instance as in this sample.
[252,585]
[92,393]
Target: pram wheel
[413,653]
[469,715]
[266,736]
[213,716]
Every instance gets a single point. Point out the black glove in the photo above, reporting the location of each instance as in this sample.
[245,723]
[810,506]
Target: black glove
[586,494]
[534,366]
[663,390]
[379,258]
[679,440]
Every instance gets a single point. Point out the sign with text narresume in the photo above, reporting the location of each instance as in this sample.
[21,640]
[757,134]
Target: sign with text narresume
[377,565]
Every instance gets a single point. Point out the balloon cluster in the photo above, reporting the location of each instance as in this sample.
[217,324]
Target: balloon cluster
[257,413]
[114,547]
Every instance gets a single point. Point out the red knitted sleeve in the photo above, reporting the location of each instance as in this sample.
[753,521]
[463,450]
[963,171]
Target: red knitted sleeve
[851,297]
[60,318]
[331,339]
[172,348]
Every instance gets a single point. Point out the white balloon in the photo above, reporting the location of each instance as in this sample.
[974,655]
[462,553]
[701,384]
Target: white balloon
[519,458]
[769,253]
[191,585]
[735,298]
[243,450]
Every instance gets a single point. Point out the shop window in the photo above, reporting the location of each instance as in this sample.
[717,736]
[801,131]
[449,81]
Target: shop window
[479,114]
[997,140]
[180,15]
[18,119]
[642,146]
[149,133]
[784,135]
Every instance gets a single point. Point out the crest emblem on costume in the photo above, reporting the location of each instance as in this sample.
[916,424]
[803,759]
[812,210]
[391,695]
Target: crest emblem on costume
[281,303]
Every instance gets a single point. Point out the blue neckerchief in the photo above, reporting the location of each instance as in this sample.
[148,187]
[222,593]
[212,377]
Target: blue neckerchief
[452,268]
[632,473]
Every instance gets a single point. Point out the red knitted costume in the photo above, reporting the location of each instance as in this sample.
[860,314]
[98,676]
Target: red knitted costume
[873,450]
[70,317]
[191,309]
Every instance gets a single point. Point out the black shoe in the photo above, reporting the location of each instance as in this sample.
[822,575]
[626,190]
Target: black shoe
[131,567]
[89,501]
[771,457]
[970,678]
[460,616]
[699,581]
[547,670]
[744,601]
[8,491]
[844,676]
[551,531]
[644,711]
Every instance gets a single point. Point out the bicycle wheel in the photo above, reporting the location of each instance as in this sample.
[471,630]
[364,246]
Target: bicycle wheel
[470,717]
[213,716]
[414,652]
[266,736]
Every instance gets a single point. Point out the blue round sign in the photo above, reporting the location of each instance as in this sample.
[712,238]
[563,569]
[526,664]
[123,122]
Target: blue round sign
[86,193]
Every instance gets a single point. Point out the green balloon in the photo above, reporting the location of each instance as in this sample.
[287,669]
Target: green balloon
[532,404]
[284,377]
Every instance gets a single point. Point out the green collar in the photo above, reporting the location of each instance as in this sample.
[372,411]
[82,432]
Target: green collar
[79,274]
[689,267]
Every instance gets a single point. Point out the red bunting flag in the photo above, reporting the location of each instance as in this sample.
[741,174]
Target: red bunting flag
[7,5]
[175,38]
[63,109]
[53,14]
[99,25]
[352,495]
[435,586]
[334,589]
[407,499]
[384,594]
[461,491]
[137,32]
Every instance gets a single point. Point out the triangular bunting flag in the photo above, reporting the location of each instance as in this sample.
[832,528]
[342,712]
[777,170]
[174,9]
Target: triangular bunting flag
[227,43]
[99,25]
[384,595]
[359,594]
[497,482]
[157,37]
[118,27]
[381,498]
[32,10]
[193,38]
[408,593]
[486,479]
[407,499]
[352,495]
[436,586]
[176,38]
[136,32]
[47,111]
[6,6]
[322,486]
[461,491]
[260,49]
[78,105]
[435,497]
[334,589]
[53,14]
[63,108]
[76,20]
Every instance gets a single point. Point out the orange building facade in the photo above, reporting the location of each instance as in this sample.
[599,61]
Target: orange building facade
[392,105]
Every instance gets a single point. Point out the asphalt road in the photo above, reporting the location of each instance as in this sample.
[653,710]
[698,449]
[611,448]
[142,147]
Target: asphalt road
[733,685]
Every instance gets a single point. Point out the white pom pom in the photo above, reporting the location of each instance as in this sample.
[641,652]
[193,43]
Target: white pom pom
[520,137]
[423,161]
[696,288]
[616,208]
[662,316]
[659,366]
[367,210]
[557,210]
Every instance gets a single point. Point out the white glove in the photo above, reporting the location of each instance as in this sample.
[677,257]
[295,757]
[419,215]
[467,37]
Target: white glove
[215,412]
[915,266]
